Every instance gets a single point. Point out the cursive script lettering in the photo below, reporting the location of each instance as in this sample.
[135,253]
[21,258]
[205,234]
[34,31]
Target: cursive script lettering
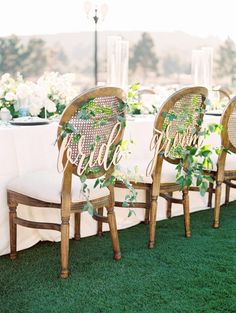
[107,155]
[165,143]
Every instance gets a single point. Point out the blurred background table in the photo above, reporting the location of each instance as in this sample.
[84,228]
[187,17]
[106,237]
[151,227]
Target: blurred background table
[31,148]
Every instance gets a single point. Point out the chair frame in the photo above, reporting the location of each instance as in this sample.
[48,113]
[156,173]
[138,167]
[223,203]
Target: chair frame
[156,188]
[67,206]
[221,175]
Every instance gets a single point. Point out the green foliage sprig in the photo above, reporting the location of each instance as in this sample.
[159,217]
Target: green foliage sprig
[134,105]
[195,161]
[99,116]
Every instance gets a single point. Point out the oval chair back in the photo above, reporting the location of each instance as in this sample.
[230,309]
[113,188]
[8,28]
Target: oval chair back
[182,111]
[91,127]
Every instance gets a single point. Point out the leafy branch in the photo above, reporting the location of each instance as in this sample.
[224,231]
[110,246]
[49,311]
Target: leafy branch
[99,115]
[195,160]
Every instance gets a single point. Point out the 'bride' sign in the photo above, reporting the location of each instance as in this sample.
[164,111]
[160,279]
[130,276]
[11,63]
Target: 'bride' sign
[105,157]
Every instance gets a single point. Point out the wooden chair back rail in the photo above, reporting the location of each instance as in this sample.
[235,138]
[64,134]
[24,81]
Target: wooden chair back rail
[169,198]
[38,225]
[14,197]
[229,183]
[143,205]
[230,174]
[138,185]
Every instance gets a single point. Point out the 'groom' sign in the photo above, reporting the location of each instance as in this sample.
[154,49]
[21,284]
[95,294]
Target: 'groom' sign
[163,142]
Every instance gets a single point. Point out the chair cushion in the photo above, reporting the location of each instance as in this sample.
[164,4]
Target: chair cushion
[136,171]
[46,186]
[230,162]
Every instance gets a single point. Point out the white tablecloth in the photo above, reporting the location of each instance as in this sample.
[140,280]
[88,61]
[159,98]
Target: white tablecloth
[31,148]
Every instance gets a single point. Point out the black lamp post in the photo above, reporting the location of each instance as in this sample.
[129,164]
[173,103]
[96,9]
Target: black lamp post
[102,10]
[95,18]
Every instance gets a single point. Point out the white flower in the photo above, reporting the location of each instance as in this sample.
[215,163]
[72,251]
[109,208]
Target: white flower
[50,106]
[1,92]
[34,109]
[35,105]
[23,91]
[5,77]
[10,96]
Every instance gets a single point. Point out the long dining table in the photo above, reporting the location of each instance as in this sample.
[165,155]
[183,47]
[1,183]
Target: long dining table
[25,149]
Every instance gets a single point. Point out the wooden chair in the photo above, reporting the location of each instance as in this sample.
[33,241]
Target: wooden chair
[224,92]
[163,180]
[62,191]
[148,99]
[225,171]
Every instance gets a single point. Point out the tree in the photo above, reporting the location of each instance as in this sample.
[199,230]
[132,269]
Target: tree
[171,65]
[143,55]
[31,59]
[35,58]
[57,60]
[11,55]
[226,63]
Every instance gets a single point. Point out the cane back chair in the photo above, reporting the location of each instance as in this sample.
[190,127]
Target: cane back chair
[148,99]
[226,163]
[163,179]
[62,191]
[224,92]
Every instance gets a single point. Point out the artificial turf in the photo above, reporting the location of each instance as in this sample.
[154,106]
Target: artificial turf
[178,275]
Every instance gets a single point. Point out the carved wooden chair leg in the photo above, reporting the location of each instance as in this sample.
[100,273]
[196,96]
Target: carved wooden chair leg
[153,214]
[148,204]
[216,222]
[210,194]
[146,218]
[13,231]
[77,225]
[169,206]
[114,234]
[227,194]
[186,213]
[65,228]
[99,223]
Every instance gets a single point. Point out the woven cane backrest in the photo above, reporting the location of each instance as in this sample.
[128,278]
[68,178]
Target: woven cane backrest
[228,121]
[93,115]
[182,113]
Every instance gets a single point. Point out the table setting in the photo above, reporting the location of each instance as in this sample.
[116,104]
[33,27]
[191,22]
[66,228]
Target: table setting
[29,145]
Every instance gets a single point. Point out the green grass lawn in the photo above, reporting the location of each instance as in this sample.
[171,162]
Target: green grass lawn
[178,275]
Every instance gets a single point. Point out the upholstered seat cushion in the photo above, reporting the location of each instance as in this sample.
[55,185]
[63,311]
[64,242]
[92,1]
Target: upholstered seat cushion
[46,186]
[136,171]
[230,162]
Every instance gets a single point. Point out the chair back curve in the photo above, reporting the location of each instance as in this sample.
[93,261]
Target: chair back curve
[183,109]
[93,115]
[228,120]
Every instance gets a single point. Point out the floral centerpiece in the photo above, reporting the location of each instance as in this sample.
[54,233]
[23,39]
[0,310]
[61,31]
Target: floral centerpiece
[59,90]
[8,96]
[45,98]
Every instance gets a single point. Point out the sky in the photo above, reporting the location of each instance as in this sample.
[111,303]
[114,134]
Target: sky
[197,17]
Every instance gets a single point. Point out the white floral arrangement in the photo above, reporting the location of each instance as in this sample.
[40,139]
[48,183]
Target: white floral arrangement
[45,98]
